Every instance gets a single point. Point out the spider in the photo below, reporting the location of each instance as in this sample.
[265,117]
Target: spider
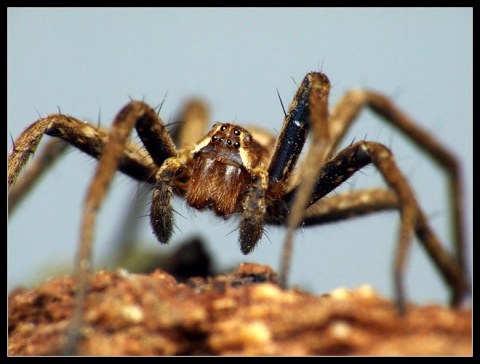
[247,173]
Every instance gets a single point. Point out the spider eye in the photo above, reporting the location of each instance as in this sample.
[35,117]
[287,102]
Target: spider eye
[214,138]
[237,145]
[223,128]
[236,132]
[229,142]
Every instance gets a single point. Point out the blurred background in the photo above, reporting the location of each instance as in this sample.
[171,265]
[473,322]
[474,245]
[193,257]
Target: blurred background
[89,62]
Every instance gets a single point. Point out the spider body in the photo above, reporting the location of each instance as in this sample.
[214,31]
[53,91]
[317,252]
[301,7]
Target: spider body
[246,172]
[223,166]
[215,174]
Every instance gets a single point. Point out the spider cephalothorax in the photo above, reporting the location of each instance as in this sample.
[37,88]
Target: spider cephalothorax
[224,163]
[246,172]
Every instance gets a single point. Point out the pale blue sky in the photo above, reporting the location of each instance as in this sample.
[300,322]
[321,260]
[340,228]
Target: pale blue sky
[89,62]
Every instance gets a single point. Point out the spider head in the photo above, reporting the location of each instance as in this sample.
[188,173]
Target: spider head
[229,144]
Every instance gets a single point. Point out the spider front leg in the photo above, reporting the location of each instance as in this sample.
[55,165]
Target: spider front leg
[308,108]
[150,129]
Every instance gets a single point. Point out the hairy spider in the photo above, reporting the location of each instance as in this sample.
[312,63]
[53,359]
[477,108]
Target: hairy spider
[235,171]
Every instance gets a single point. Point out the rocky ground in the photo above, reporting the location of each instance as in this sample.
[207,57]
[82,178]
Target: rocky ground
[240,313]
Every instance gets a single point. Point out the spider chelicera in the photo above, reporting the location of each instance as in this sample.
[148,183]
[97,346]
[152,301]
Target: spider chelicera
[235,171]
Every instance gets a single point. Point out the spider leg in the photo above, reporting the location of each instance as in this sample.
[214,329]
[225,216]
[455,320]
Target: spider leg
[308,109]
[25,145]
[318,180]
[412,220]
[353,158]
[194,120]
[290,141]
[345,205]
[135,162]
[150,129]
[49,154]
[346,112]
